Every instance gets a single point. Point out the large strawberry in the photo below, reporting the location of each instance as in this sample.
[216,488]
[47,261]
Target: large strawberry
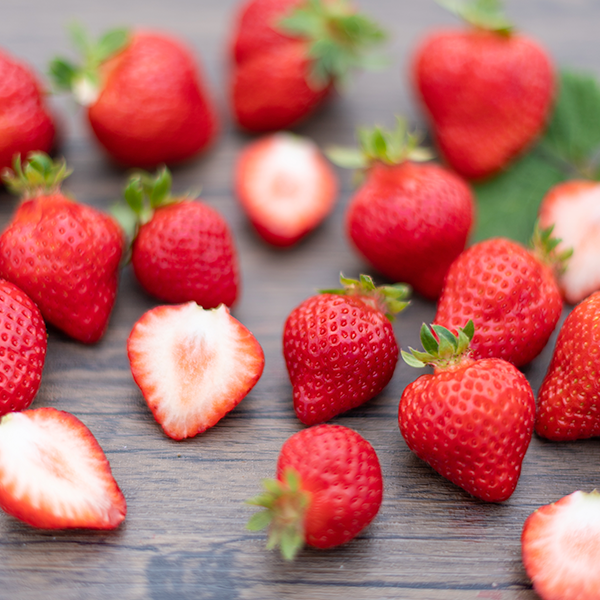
[65,256]
[488,90]
[288,54]
[471,420]
[340,349]
[410,220]
[146,101]
[329,487]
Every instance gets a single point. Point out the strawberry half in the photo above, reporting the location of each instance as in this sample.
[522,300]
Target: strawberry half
[192,365]
[54,474]
[285,186]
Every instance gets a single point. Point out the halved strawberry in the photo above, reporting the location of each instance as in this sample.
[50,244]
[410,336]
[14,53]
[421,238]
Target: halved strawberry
[286,187]
[54,474]
[192,365]
[561,548]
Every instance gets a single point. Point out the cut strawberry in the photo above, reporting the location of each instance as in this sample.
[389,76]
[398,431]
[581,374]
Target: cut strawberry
[192,365]
[53,473]
[561,548]
[285,186]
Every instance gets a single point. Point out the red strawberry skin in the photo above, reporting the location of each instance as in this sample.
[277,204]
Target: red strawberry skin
[186,252]
[512,298]
[568,397]
[488,96]
[65,256]
[340,352]
[410,221]
[472,424]
[341,471]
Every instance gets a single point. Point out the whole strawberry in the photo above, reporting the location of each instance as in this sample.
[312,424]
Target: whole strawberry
[410,220]
[509,292]
[340,349]
[65,256]
[488,90]
[329,487]
[568,406]
[288,54]
[182,249]
[471,420]
[146,101]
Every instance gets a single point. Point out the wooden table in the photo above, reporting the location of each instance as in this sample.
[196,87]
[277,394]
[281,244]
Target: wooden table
[184,536]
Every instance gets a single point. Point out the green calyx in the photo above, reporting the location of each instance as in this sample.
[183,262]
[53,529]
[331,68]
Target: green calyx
[482,14]
[339,39]
[389,299]
[84,79]
[442,349]
[545,248]
[39,176]
[285,504]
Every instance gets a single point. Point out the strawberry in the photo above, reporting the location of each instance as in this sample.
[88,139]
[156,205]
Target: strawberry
[509,292]
[471,420]
[192,365]
[54,474]
[65,256]
[328,488]
[568,406]
[287,56]
[487,90]
[22,348]
[339,347]
[145,97]
[182,250]
[560,548]
[25,121]
[285,186]
[409,220]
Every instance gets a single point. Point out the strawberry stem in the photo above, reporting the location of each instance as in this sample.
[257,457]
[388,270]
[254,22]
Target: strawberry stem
[545,249]
[482,14]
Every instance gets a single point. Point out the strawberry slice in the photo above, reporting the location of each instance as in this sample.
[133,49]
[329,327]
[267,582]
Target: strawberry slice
[561,548]
[53,473]
[192,365]
[286,187]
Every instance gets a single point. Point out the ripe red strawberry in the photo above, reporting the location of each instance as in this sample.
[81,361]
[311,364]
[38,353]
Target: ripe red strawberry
[145,97]
[25,121]
[192,365]
[409,220]
[340,349]
[22,348]
[329,487]
[53,473]
[182,249]
[288,54]
[560,548]
[285,186]
[471,420]
[568,406]
[487,90]
[509,292]
[65,256]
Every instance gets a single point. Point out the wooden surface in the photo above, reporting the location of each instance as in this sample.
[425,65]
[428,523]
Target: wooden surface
[184,536]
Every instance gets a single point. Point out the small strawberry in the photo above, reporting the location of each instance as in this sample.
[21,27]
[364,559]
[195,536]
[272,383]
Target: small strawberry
[25,121]
[146,101]
[509,292]
[561,548]
[487,90]
[53,473]
[65,256]
[471,420]
[340,349]
[409,220]
[192,365]
[287,56]
[329,487]
[23,347]
[285,186]
[568,406]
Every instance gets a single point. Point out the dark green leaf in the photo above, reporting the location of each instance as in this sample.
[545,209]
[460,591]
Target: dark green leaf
[430,344]
[62,73]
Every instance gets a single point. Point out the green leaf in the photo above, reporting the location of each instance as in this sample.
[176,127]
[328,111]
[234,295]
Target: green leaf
[62,73]
[110,43]
[430,344]
[259,520]
[347,158]
[412,360]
